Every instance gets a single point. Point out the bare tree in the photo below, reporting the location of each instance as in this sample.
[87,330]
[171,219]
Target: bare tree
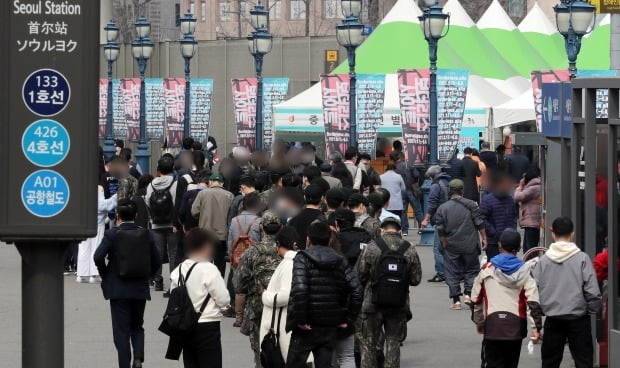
[125,14]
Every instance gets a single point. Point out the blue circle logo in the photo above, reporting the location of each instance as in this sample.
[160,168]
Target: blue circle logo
[46,92]
[45,193]
[46,143]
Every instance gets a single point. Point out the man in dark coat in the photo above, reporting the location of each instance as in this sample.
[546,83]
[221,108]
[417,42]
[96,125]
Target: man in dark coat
[517,164]
[487,156]
[126,248]
[498,211]
[455,165]
[469,172]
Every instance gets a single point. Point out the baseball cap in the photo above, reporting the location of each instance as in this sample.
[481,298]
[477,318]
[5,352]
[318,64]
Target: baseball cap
[335,194]
[391,221]
[510,239]
[216,177]
[456,185]
[270,217]
[356,199]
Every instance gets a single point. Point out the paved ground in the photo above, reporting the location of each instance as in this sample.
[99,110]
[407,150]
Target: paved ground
[438,336]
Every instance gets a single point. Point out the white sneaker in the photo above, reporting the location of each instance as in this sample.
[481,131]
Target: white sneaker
[82,280]
[456,306]
[94,280]
[467,299]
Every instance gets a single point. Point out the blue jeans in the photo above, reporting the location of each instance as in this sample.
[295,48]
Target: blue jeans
[439,269]
[344,354]
[409,198]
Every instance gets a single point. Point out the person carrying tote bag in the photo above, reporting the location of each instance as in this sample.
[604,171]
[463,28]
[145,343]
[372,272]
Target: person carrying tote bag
[270,352]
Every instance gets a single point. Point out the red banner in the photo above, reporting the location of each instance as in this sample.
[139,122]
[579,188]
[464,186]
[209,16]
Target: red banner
[174,96]
[538,78]
[130,102]
[103,105]
[413,92]
[335,96]
[244,100]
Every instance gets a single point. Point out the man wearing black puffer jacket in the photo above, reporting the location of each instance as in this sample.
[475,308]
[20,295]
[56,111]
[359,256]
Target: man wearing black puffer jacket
[325,295]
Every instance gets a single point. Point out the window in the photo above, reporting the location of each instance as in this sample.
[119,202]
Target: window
[244,9]
[192,7]
[298,9]
[224,11]
[275,12]
[203,11]
[331,9]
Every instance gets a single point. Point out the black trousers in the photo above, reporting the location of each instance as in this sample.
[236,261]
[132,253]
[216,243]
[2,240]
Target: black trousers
[220,257]
[579,335]
[318,341]
[531,238]
[500,353]
[492,251]
[203,349]
[127,321]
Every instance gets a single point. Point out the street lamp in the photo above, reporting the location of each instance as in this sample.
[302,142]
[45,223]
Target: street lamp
[110,52]
[188,50]
[259,44]
[574,19]
[350,35]
[142,50]
[433,23]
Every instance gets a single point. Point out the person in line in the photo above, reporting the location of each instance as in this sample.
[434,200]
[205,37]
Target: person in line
[143,219]
[527,194]
[470,172]
[385,307]
[247,185]
[359,205]
[393,182]
[340,170]
[86,269]
[252,277]
[487,156]
[455,165]
[211,207]
[160,198]
[187,220]
[314,197]
[385,197]
[504,293]
[334,198]
[482,179]
[498,211]
[569,295]
[438,195]
[517,164]
[458,224]
[316,313]
[326,174]
[132,259]
[350,160]
[412,193]
[203,347]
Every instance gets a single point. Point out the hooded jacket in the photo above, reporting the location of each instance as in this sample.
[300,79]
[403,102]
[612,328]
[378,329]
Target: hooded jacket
[504,297]
[325,292]
[567,282]
[437,194]
[499,213]
[161,183]
[527,196]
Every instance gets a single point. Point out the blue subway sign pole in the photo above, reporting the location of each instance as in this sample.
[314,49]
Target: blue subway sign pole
[49,68]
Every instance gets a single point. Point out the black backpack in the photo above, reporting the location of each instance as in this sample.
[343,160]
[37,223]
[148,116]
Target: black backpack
[180,317]
[390,278]
[161,205]
[133,253]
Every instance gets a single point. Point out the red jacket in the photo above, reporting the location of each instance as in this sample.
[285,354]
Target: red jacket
[601,191]
[601,265]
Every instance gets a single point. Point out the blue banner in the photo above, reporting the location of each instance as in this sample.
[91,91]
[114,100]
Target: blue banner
[370,99]
[451,95]
[155,109]
[469,137]
[200,104]
[556,109]
[274,92]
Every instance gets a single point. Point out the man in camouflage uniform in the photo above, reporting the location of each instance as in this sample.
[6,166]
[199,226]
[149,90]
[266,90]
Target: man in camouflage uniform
[373,317]
[359,205]
[252,278]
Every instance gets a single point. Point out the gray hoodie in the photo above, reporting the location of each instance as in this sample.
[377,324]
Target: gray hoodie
[159,183]
[567,282]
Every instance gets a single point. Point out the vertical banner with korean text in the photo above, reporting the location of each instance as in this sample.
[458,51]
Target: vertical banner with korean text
[335,96]
[413,92]
[103,105]
[370,98]
[538,78]
[451,95]
[200,104]
[155,109]
[130,100]
[174,96]
[274,92]
[118,111]
[244,100]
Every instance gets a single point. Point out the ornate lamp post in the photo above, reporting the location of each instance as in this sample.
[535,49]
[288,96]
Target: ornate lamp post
[188,50]
[350,35]
[110,52]
[259,43]
[574,19]
[142,50]
[433,22]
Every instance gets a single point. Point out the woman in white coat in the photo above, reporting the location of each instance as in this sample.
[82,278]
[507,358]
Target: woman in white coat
[279,287]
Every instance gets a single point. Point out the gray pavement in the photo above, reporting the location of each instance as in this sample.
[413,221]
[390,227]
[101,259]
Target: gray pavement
[437,337]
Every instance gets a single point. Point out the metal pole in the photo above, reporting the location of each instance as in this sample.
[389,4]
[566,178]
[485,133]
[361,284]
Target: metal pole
[432,48]
[42,304]
[258,58]
[142,153]
[352,97]
[109,149]
[573,46]
[186,130]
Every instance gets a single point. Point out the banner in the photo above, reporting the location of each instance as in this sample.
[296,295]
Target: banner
[413,94]
[335,96]
[103,105]
[244,100]
[556,109]
[538,78]
[274,92]
[469,137]
[119,124]
[200,104]
[130,101]
[370,93]
[155,109]
[451,95]
[174,96]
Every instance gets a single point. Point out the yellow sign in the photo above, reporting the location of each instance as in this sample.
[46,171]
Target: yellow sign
[331,55]
[607,6]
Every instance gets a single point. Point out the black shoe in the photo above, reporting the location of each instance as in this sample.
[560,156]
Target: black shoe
[159,287]
[137,364]
[437,278]
[229,313]
[166,294]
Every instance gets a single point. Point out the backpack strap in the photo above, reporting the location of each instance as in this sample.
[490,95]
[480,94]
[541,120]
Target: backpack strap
[279,319]
[273,313]
[382,245]
[403,247]
[204,304]
[247,232]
